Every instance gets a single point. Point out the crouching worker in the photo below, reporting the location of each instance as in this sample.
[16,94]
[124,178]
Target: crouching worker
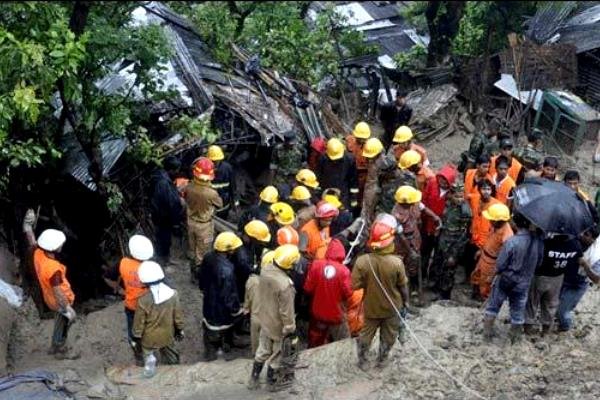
[158,319]
[381,274]
[277,343]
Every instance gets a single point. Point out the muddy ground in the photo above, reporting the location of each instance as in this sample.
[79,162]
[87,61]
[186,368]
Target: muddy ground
[561,366]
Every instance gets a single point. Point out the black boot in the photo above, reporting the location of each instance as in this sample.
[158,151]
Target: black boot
[362,350]
[515,333]
[271,380]
[382,356]
[256,370]
[488,328]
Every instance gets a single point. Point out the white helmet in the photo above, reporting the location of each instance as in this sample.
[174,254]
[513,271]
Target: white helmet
[150,271]
[51,239]
[140,247]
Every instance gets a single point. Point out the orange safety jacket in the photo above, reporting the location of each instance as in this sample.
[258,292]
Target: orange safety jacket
[128,269]
[484,273]
[45,268]
[480,227]
[513,170]
[318,240]
[503,188]
[471,185]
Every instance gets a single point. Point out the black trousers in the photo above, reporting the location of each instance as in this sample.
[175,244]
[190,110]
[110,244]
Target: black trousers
[162,243]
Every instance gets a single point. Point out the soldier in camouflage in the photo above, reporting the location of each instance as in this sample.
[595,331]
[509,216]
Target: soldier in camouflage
[391,178]
[480,142]
[453,237]
[287,159]
[530,155]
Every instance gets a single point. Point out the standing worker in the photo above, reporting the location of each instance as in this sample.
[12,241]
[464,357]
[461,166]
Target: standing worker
[404,141]
[140,250]
[202,202]
[506,151]
[337,169]
[221,304]
[394,115]
[300,200]
[224,182]
[355,144]
[261,211]
[475,175]
[316,231]
[286,160]
[411,161]
[478,144]
[277,341]
[158,319]
[308,179]
[52,277]
[381,275]
[503,182]
[252,301]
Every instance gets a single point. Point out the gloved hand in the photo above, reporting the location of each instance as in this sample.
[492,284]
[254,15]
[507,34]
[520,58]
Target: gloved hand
[69,313]
[28,220]
[136,344]
[179,335]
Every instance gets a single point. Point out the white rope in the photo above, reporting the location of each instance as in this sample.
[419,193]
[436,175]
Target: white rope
[423,349]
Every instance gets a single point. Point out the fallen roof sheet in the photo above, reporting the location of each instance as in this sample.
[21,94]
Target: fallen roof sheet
[508,85]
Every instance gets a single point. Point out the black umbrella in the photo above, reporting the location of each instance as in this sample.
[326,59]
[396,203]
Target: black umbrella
[552,206]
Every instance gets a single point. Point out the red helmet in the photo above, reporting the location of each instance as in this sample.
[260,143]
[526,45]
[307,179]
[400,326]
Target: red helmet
[204,169]
[319,145]
[382,235]
[326,210]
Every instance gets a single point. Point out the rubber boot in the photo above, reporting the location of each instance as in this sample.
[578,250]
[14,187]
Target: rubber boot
[362,350]
[271,380]
[546,329]
[530,329]
[256,370]
[382,356]
[488,328]
[515,333]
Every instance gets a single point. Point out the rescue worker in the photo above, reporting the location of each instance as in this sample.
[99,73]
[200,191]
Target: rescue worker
[478,144]
[277,344]
[300,200]
[531,155]
[550,168]
[379,273]
[391,178]
[453,237]
[572,180]
[493,149]
[221,303]
[480,226]
[140,250]
[484,272]
[224,182]
[251,300]
[474,176]
[404,141]
[52,278]
[282,215]
[286,159]
[515,266]
[158,320]
[317,149]
[344,218]
[407,211]
[514,166]
[411,161]
[328,284]
[202,202]
[166,207]
[261,211]
[502,181]
[434,197]
[337,169]
[355,143]
[393,115]
[308,179]
[256,238]
[316,231]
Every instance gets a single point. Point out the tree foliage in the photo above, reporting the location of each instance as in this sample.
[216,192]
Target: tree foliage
[280,34]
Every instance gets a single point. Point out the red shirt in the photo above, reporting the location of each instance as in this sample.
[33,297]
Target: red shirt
[328,282]
[434,199]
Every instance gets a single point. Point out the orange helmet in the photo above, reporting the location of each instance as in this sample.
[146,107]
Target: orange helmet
[326,210]
[382,235]
[204,169]
[287,235]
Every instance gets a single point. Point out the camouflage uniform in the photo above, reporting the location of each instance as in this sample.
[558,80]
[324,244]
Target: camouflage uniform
[286,161]
[389,181]
[453,237]
[530,157]
[478,144]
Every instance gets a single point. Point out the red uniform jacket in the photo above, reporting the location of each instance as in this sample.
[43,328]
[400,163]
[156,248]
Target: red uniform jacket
[433,198]
[329,284]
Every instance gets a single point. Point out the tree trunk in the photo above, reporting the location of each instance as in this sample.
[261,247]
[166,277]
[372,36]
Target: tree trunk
[443,20]
[79,16]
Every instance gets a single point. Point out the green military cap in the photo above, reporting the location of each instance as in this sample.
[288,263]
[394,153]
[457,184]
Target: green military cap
[457,186]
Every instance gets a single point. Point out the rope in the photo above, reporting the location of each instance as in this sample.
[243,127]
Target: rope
[457,381]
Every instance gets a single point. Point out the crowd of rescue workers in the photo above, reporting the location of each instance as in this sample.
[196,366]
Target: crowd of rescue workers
[344,242]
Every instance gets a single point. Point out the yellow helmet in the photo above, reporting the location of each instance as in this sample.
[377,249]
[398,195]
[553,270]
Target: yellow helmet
[269,194]
[408,159]
[283,213]
[372,148]
[407,195]
[300,193]
[307,178]
[227,241]
[267,258]
[286,256]
[258,230]
[402,134]
[333,200]
[335,149]
[362,130]
[497,212]
[215,153]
